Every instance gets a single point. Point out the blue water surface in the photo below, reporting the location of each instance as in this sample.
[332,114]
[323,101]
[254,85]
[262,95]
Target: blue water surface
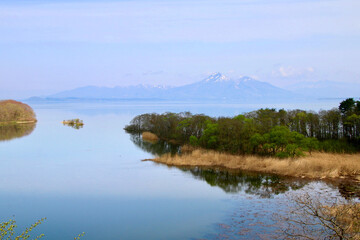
[92,179]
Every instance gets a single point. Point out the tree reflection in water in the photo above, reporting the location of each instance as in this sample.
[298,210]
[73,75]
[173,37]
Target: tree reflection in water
[231,181]
[156,148]
[262,185]
[12,131]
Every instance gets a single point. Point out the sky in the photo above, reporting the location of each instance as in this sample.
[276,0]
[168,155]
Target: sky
[51,46]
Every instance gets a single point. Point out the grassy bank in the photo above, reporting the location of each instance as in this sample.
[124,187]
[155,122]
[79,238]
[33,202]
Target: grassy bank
[317,166]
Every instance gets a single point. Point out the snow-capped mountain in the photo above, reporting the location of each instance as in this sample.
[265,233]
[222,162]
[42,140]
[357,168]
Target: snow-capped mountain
[216,86]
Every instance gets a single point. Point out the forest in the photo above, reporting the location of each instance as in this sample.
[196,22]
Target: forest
[269,132]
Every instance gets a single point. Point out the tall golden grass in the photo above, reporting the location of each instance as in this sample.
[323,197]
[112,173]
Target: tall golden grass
[150,137]
[318,165]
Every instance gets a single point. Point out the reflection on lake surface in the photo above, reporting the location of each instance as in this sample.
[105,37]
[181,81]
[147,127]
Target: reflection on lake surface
[233,181]
[9,132]
[155,148]
[262,185]
[94,181]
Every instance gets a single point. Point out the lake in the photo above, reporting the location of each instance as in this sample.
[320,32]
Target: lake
[92,179]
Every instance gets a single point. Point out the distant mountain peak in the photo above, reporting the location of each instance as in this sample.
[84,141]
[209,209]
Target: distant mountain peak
[215,86]
[216,77]
[246,79]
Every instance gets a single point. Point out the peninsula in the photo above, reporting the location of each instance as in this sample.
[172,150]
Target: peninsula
[324,144]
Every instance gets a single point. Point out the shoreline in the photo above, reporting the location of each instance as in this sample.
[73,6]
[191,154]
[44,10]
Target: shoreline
[316,166]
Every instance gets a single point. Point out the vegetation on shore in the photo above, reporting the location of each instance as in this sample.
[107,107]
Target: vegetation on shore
[318,165]
[13,112]
[150,137]
[265,132]
[74,123]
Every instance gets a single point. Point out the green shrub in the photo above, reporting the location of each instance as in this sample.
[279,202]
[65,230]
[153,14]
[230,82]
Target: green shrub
[194,141]
[337,146]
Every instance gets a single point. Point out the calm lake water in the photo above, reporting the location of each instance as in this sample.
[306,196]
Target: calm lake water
[92,179]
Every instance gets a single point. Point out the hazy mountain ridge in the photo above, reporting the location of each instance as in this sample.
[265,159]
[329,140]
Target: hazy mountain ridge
[326,89]
[216,86]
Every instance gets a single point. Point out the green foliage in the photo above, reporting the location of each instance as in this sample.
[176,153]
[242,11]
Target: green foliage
[210,136]
[74,123]
[240,118]
[347,105]
[194,141]
[338,146]
[282,155]
[279,142]
[310,144]
[264,131]
[7,230]
[79,236]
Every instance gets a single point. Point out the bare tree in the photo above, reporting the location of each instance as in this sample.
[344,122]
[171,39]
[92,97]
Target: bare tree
[312,217]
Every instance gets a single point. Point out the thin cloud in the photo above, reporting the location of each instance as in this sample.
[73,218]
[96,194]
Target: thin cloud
[164,21]
[289,71]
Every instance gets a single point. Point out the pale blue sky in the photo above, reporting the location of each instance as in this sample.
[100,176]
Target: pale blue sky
[49,46]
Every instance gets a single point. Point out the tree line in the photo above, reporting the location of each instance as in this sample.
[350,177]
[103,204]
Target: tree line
[267,131]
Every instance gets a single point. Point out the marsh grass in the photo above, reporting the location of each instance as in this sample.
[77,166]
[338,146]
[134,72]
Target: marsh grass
[317,165]
[150,137]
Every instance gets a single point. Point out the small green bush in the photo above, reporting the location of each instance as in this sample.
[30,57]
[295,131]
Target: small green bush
[194,141]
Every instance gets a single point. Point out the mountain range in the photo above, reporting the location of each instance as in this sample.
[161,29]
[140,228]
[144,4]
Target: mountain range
[214,87]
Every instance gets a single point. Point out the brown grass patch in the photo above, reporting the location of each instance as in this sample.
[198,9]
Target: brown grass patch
[187,149]
[150,137]
[318,165]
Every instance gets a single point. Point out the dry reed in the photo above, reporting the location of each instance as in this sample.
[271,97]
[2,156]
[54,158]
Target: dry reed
[318,165]
[347,215]
[150,137]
